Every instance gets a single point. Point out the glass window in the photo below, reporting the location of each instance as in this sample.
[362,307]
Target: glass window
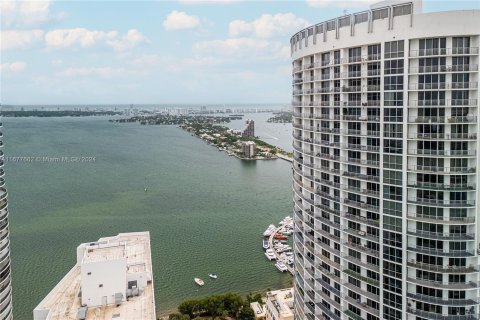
[394,49]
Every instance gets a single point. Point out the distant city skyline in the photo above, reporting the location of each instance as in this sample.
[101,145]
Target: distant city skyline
[158,52]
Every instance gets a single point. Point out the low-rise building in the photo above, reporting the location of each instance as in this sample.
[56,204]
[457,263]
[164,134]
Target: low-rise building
[112,279]
[258,309]
[249,148]
[279,305]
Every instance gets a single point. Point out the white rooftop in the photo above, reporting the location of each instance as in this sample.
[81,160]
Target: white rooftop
[64,301]
[283,301]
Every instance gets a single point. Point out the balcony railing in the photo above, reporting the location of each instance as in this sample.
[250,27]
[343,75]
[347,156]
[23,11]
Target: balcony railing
[361,205]
[361,219]
[361,133]
[444,68]
[362,248]
[442,152]
[437,316]
[441,235]
[443,269]
[448,285]
[443,85]
[443,202]
[444,102]
[443,51]
[441,136]
[441,301]
[360,277]
[443,186]
[442,252]
[361,176]
[442,169]
[445,219]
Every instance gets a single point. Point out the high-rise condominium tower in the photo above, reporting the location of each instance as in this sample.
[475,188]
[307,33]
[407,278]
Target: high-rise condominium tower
[5,271]
[386,162]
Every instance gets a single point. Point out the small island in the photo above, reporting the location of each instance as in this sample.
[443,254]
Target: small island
[281,117]
[243,145]
[167,119]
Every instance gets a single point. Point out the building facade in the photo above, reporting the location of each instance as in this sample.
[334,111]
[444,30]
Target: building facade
[249,130]
[6,311]
[385,106]
[249,148]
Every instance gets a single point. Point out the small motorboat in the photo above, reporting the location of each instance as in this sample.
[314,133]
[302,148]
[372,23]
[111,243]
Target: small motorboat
[265,244]
[199,281]
[212,275]
[281,237]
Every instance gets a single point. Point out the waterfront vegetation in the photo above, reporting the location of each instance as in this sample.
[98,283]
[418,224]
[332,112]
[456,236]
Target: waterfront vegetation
[281,117]
[229,305]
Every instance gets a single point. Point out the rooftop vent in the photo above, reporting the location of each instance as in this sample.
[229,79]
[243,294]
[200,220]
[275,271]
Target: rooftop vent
[82,313]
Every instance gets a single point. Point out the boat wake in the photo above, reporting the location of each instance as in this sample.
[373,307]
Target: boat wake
[271,137]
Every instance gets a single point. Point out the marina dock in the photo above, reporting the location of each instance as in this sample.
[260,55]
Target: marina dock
[277,254]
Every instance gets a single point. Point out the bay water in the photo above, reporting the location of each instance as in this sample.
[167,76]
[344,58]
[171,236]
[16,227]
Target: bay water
[205,211]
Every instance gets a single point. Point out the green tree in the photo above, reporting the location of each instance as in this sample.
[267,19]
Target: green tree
[257,298]
[178,316]
[246,313]
[189,307]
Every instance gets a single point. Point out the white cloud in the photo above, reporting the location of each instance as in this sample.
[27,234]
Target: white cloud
[248,48]
[25,13]
[64,38]
[89,71]
[84,38]
[17,66]
[146,60]
[268,25]
[178,20]
[340,3]
[13,39]
[128,41]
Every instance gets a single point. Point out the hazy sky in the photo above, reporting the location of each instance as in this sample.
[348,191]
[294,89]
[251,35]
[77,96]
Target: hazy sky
[185,51]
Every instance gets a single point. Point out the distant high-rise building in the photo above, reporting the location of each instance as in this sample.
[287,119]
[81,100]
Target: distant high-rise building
[249,148]
[386,145]
[6,311]
[112,279]
[249,130]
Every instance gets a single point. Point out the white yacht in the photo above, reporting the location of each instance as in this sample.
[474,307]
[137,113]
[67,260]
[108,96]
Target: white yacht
[281,266]
[269,231]
[270,254]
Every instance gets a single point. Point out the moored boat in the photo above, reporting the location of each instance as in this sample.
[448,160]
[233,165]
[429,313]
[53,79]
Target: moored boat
[269,231]
[199,281]
[212,275]
[281,237]
[270,254]
[281,266]
[265,244]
